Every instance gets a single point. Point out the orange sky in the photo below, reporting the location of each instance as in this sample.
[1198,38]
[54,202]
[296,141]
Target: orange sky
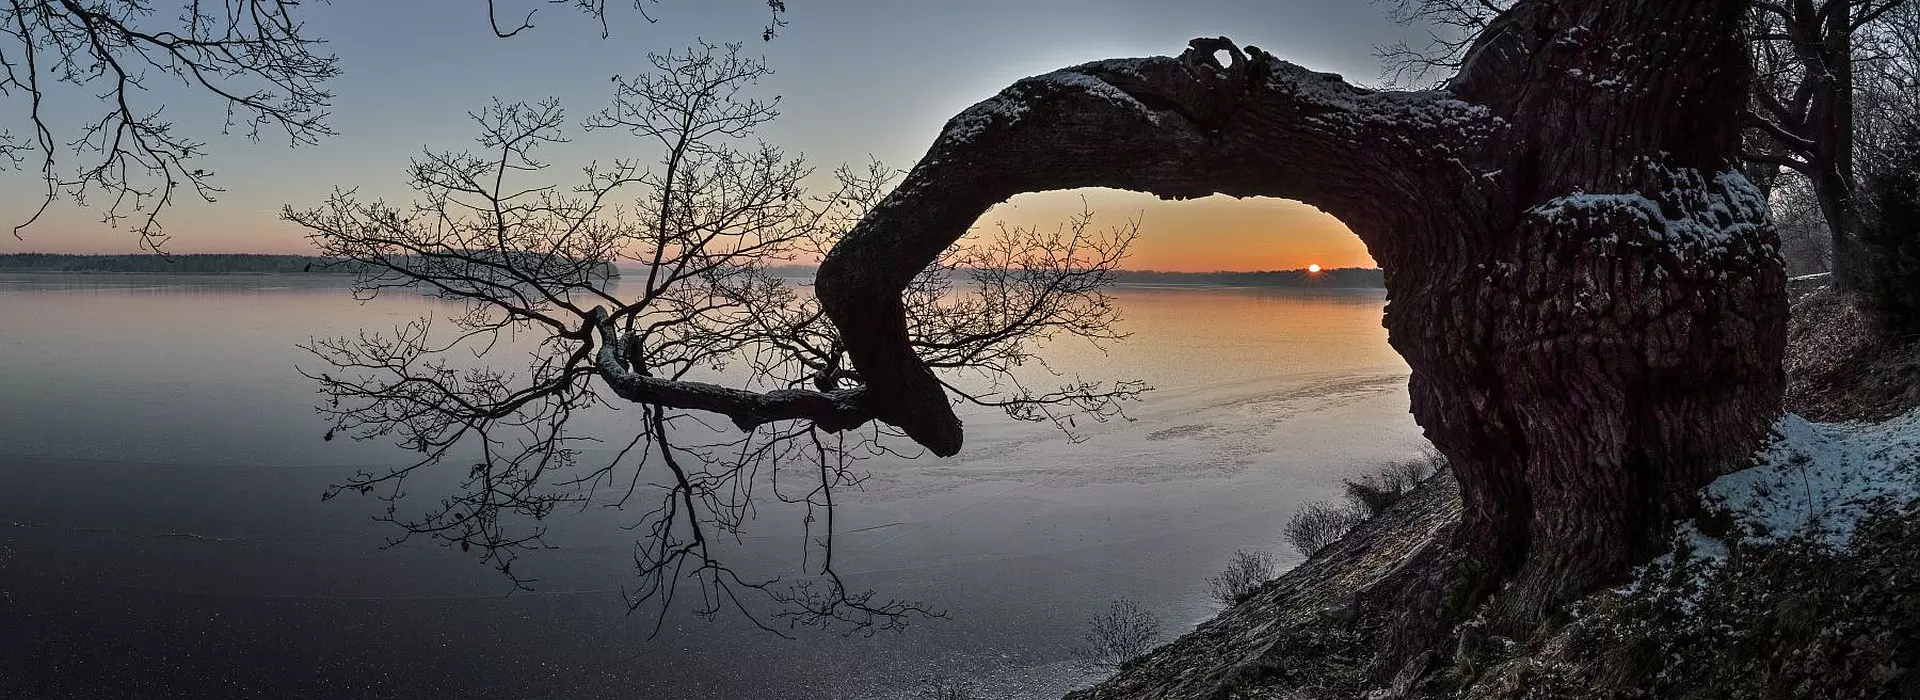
[1203,235]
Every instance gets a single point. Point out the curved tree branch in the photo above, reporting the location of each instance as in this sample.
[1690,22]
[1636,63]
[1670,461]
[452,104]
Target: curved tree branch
[832,411]
[1179,128]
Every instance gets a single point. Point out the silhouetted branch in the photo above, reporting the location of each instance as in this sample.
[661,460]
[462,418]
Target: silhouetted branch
[252,56]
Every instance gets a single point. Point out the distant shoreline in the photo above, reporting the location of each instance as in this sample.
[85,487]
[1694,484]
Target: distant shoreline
[264,265]
[1335,278]
[185,264]
[1230,285]
[1339,278]
[225,264]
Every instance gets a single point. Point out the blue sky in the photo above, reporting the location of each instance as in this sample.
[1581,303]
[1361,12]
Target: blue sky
[856,78]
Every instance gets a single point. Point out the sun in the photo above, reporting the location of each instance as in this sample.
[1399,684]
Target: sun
[1314,267]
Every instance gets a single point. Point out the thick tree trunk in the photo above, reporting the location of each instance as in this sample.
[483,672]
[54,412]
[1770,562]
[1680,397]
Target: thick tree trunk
[1587,290]
[1627,346]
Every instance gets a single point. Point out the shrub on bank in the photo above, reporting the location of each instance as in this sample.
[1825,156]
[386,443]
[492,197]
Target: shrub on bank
[1319,523]
[1123,633]
[1246,572]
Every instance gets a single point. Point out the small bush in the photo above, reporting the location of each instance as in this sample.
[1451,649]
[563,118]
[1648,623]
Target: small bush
[1123,633]
[1246,572]
[1368,497]
[1372,494]
[1318,523]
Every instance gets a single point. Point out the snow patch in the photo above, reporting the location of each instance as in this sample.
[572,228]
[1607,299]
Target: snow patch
[1015,102]
[1813,481]
[1005,108]
[1820,481]
[1103,89]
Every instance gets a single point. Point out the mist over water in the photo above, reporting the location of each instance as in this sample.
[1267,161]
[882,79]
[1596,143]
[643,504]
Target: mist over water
[161,532]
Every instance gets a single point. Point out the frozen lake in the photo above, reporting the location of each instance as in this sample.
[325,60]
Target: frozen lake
[161,532]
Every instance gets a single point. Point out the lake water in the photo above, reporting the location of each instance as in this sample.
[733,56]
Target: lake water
[161,532]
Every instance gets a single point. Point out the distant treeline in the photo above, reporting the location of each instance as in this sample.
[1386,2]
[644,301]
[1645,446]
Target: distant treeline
[194,264]
[1365,277]
[1341,277]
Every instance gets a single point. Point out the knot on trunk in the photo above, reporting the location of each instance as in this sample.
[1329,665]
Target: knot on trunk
[1218,90]
[1205,51]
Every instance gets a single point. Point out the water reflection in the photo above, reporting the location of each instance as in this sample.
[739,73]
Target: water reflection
[160,532]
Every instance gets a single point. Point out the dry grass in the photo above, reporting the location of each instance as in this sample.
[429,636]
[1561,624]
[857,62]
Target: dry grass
[1840,368]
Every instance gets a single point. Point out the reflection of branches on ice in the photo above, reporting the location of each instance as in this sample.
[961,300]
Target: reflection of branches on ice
[705,226]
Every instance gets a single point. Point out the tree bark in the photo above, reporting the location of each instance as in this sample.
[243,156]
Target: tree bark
[1587,290]
[1830,117]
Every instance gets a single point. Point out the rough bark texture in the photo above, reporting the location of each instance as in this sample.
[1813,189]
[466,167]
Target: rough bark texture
[1588,292]
[1830,122]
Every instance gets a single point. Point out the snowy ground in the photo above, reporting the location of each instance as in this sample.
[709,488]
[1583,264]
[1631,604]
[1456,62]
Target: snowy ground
[1813,483]
[1819,480]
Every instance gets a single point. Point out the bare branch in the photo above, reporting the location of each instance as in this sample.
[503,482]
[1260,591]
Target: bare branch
[704,327]
[252,56]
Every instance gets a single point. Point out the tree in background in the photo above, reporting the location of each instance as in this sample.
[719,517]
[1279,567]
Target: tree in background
[1809,57]
[1888,140]
[1805,245]
[1452,25]
[703,328]
[1888,90]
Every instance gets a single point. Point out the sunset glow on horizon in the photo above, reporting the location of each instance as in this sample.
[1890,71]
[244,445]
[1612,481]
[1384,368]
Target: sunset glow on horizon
[1212,234]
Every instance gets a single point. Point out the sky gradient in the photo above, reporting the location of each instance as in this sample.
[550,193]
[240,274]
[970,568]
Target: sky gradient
[856,78]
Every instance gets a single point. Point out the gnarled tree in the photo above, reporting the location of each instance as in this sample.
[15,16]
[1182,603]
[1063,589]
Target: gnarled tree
[1586,287]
